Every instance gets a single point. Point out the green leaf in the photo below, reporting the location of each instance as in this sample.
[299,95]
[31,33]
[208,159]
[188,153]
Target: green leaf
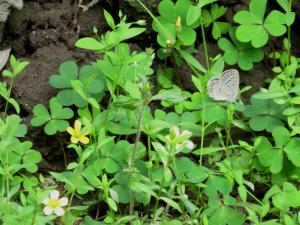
[54,122]
[281,135]
[274,23]
[265,114]
[112,204]
[68,71]
[193,15]
[191,60]
[258,8]
[187,36]
[225,215]
[269,156]
[41,115]
[109,19]
[123,193]
[173,95]
[243,193]
[236,52]
[141,187]
[290,18]
[133,90]
[172,203]
[167,9]
[292,150]
[89,44]
[253,27]
[284,4]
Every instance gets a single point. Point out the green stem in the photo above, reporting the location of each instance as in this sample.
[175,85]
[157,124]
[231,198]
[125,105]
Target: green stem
[150,157]
[7,177]
[289,34]
[204,43]
[222,143]
[9,93]
[202,134]
[33,221]
[70,201]
[158,197]
[132,161]
[253,196]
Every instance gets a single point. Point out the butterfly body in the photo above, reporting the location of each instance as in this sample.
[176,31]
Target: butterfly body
[225,87]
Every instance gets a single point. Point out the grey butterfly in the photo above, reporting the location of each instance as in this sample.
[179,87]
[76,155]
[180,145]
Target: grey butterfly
[4,55]
[225,87]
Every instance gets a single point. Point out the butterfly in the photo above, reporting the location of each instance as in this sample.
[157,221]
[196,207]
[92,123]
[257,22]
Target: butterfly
[225,87]
[4,55]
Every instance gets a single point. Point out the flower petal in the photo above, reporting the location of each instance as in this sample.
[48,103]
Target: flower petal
[77,125]
[63,201]
[46,201]
[54,194]
[70,130]
[190,145]
[176,130]
[48,210]
[59,211]
[186,132]
[74,140]
[84,140]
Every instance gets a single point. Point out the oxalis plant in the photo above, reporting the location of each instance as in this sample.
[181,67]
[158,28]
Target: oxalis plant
[140,153]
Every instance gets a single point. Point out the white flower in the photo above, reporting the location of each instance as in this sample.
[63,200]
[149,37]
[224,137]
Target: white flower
[175,134]
[54,204]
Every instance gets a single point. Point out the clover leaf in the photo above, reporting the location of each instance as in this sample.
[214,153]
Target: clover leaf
[268,156]
[89,75]
[285,147]
[210,17]
[264,114]
[171,24]
[255,28]
[236,52]
[55,120]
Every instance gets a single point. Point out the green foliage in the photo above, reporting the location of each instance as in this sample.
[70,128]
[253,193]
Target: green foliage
[211,17]
[119,33]
[256,28]
[236,52]
[172,151]
[93,83]
[55,120]
[17,67]
[173,25]
[264,114]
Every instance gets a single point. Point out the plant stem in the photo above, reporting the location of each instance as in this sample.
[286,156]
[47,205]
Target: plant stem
[149,156]
[202,134]
[158,197]
[204,42]
[289,34]
[132,161]
[70,201]
[9,93]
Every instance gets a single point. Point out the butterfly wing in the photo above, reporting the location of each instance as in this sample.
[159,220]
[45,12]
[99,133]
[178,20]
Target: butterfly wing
[224,88]
[4,55]
[230,82]
[212,86]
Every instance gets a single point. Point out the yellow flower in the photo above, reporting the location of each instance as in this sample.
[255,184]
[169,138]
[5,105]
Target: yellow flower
[54,204]
[77,135]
